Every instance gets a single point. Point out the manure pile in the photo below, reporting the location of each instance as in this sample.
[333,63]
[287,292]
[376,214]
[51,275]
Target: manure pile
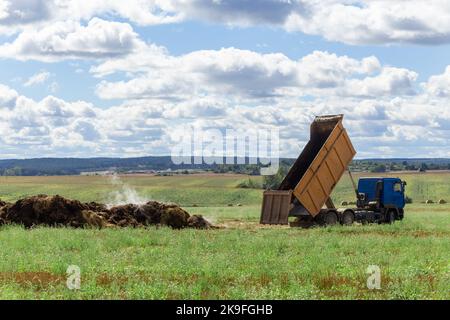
[59,211]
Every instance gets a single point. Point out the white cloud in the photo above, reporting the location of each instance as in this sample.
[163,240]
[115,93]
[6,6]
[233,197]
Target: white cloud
[147,58]
[391,82]
[375,22]
[439,85]
[8,96]
[221,71]
[353,22]
[322,69]
[385,110]
[404,126]
[142,12]
[349,21]
[15,14]
[196,108]
[37,78]
[242,74]
[19,15]
[70,40]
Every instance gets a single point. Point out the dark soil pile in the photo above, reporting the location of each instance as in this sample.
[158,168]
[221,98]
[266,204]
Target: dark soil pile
[52,211]
[95,206]
[148,214]
[4,206]
[59,211]
[198,222]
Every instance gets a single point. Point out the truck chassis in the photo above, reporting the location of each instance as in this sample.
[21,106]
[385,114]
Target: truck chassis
[347,216]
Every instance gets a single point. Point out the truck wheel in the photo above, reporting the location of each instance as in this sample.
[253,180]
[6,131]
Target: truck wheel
[348,218]
[400,214]
[330,218]
[390,216]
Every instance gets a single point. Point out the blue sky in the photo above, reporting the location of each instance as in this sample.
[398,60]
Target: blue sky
[109,78]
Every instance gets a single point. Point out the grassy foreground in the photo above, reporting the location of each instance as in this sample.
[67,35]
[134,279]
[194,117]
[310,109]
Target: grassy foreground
[241,260]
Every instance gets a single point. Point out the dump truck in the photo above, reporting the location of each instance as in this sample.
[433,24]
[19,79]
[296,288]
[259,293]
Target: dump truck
[305,191]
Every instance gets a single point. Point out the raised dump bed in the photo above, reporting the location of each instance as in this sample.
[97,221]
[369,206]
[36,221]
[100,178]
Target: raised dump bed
[314,174]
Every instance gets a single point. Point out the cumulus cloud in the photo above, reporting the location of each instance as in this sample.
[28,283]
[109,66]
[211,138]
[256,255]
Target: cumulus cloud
[70,40]
[439,85]
[390,82]
[386,112]
[147,58]
[17,13]
[142,12]
[243,74]
[409,125]
[242,13]
[221,71]
[375,22]
[8,96]
[352,22]
[323,69]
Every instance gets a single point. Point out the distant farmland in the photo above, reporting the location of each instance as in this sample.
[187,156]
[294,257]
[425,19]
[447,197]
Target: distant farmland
[201,189]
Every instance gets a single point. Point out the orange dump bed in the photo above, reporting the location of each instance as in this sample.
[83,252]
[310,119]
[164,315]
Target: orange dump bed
[317,170]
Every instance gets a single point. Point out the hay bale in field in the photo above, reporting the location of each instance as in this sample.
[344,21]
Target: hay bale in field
[230,204]
[344,203]
[239,205]
[429,201]
[442,201]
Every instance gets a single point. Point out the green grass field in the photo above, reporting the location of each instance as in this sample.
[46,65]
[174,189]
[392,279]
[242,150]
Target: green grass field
[241,260]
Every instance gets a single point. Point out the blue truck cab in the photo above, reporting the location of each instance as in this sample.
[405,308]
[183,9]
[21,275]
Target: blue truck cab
[384,197]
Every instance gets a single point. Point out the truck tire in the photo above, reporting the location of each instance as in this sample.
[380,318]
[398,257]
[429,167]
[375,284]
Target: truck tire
[390,216]
[331,218]
[348,218]
[400,214]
